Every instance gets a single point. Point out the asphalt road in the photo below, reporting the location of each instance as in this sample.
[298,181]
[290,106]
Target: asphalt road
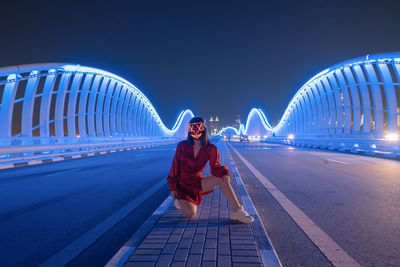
[43,208]
[354,199]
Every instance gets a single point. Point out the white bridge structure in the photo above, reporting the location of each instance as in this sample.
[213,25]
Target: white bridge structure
[57,108]
[72,101]
[354,105]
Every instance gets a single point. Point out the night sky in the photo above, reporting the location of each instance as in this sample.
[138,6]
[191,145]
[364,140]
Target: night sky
[214,57]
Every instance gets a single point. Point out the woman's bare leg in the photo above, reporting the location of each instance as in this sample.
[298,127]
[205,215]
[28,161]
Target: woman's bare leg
[188,208]
[209,183]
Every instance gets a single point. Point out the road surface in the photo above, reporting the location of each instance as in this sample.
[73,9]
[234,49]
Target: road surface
[44,208]
[354,199]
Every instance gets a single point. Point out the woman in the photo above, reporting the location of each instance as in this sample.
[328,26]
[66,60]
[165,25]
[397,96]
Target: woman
[186,183]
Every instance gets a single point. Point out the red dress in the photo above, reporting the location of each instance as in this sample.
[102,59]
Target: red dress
[185,175]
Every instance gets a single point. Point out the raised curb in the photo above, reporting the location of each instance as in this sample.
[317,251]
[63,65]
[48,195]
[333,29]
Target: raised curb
[123,254]
[267,251]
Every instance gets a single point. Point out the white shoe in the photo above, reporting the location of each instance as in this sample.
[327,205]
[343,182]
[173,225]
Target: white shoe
[177,205]
[241,215]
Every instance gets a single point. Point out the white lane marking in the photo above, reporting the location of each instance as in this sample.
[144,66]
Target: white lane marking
[335,254]
[68,171]
[123,254]
[338,161]
[34,162]
[67,254]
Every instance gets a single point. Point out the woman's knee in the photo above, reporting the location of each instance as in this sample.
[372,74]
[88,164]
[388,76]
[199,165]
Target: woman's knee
[189,213]
[188,209]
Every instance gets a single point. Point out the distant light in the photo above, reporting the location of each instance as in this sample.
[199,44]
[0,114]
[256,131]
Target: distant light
[392,137]
[290,136]
[78,135]
[356,145]
[373,146]
[265,136]
[12,77]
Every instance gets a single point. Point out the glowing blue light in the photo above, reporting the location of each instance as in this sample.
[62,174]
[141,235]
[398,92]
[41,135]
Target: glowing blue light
[178,123]
[308,87]
[226,129]
[12,77]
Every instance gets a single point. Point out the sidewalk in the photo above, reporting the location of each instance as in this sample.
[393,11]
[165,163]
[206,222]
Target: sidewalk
[209,239]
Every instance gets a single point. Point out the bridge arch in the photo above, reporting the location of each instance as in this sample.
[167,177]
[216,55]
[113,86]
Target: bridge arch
[63,100]
[358,98]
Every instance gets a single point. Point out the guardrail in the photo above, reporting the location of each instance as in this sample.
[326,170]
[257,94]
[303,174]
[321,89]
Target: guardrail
[61,149]
[375,147]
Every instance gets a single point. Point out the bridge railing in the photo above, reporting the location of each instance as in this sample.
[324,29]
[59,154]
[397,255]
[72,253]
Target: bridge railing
[373,147]
[58,149]
[58,110]
[353,103]
[64,100]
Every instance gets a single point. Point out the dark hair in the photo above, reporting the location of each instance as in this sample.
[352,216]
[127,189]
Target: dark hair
[204,137]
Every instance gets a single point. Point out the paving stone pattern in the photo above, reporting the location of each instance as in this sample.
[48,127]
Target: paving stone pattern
[209,239]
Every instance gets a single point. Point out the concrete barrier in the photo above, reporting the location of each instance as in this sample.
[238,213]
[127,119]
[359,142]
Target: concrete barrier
[375,147]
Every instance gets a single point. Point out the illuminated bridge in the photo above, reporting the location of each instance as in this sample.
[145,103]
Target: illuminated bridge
[110,205]
[58,100]
[354,105]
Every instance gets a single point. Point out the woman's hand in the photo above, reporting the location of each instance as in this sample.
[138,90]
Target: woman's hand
[173,194]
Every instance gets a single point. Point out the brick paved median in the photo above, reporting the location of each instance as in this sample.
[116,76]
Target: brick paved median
[209,239]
